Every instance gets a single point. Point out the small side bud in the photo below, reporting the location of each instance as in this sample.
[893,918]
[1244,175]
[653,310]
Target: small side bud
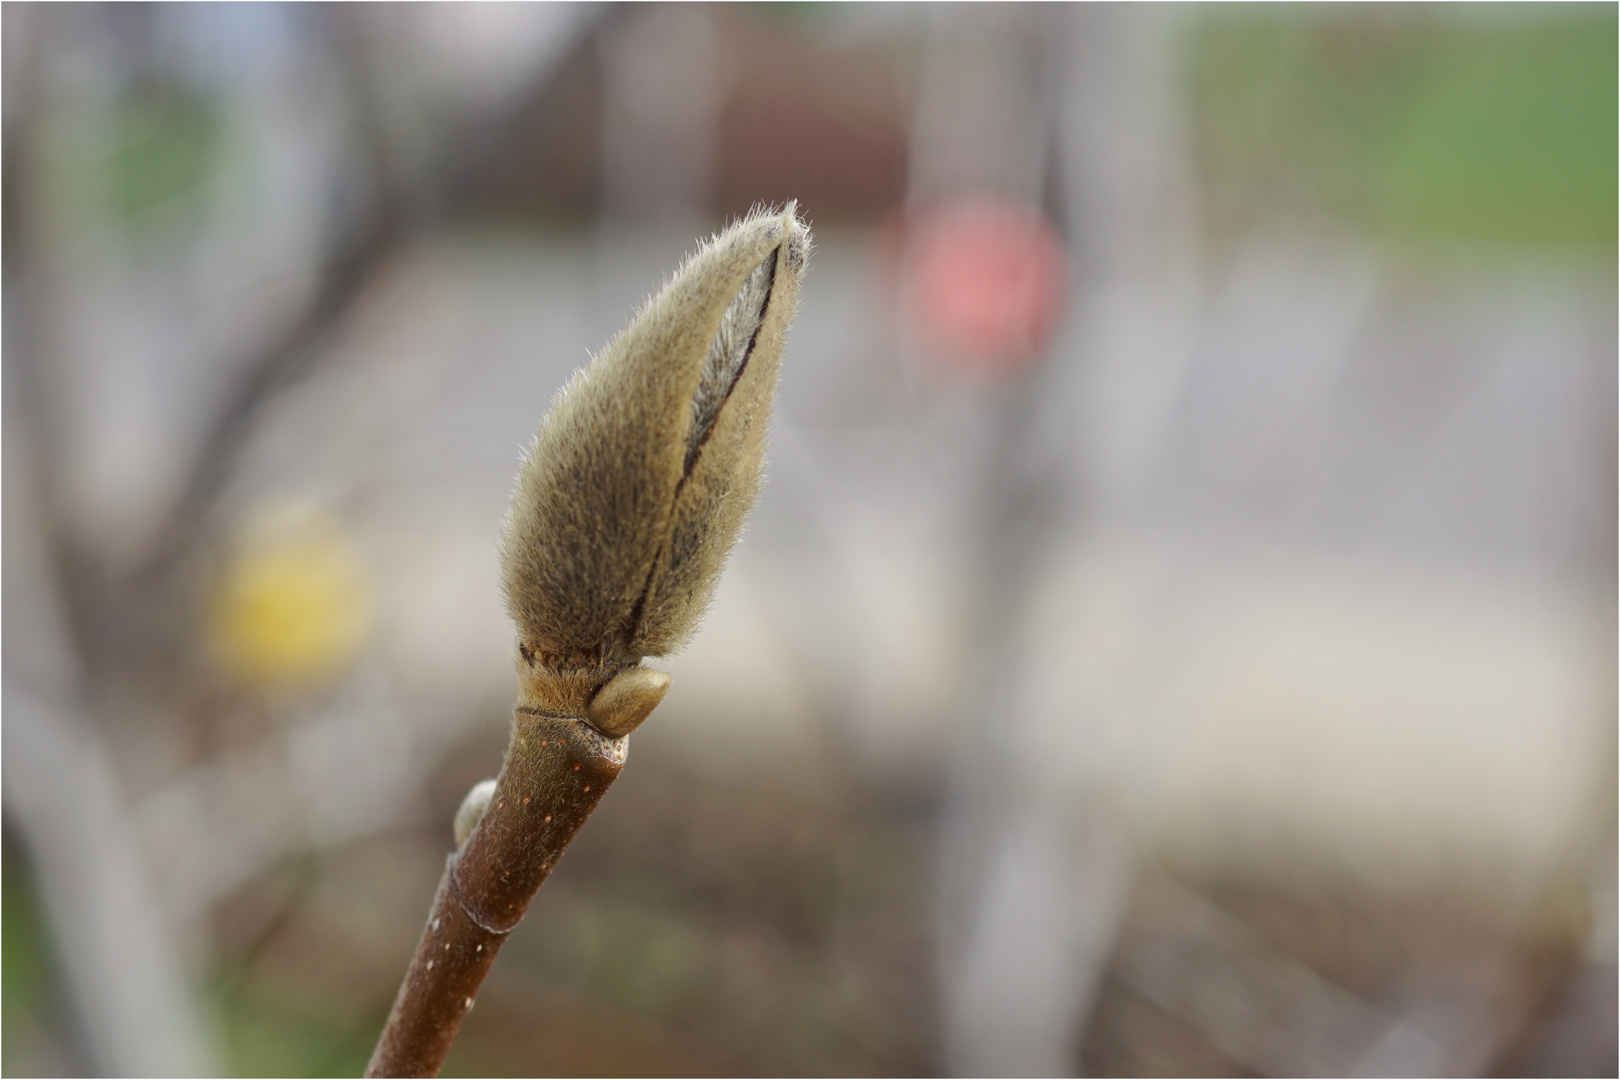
[627,699]
[471,810]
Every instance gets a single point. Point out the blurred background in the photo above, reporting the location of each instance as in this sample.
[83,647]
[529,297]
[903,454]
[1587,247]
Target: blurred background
[1177,635]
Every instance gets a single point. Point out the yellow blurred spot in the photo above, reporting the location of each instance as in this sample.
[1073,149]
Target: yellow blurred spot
[293,607]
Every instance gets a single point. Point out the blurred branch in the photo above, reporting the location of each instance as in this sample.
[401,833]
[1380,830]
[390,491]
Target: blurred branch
[120,964]
[120,961]
[1273,1014]
[404,206]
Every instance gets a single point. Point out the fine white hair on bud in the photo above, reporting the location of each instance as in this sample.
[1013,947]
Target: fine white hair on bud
[636,486]
[727,354]
[471,810]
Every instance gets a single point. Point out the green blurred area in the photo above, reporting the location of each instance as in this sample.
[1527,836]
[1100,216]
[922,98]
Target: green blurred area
[1420,126]
[291,1033]
[30,1002]
[164,139]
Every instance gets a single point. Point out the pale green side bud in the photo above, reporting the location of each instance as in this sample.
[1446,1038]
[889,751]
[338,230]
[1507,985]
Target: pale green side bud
[627,699]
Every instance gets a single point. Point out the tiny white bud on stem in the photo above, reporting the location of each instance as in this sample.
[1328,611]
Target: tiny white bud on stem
[471,810]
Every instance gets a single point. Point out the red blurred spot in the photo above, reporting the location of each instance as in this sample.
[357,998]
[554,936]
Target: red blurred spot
[984,282]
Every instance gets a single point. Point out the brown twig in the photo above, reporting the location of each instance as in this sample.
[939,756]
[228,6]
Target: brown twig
[555,773]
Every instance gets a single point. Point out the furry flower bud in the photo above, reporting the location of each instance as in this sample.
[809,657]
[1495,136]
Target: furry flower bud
[636,486]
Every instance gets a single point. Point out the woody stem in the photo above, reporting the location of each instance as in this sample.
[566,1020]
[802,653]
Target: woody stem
[556,769]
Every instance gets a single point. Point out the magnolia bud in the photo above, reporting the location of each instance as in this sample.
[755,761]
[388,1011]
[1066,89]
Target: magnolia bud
[632,493]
